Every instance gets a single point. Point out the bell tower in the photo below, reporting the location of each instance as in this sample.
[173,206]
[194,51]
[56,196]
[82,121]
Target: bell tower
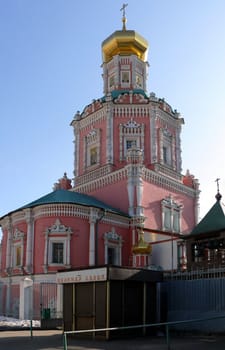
[124,56]
[128,150]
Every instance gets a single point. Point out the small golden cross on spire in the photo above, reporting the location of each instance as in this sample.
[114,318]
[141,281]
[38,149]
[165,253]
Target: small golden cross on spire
[218,195]
[218,187]
[123,8]
[124,20]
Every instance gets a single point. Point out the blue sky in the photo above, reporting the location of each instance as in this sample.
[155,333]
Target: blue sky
[50,67]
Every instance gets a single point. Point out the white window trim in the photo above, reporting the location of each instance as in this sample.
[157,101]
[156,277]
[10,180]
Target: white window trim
[15,246]
[121,78]
[92,140]
[139,84]
[51,241]
[131,131]
[111,86]
[18,241]
[57,233]
[134,139]
[167,142]
[171,215]
[114,241]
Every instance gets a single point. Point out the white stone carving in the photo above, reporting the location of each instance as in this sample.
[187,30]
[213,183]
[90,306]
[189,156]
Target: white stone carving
[18,234]
[57,227]
[131,124]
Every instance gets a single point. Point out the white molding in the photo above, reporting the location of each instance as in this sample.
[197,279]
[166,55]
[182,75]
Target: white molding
[148,175]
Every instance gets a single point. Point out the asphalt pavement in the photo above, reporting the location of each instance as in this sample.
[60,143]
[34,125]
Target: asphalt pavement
[53,340]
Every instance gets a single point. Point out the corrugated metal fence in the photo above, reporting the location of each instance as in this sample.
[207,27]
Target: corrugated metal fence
[193,295]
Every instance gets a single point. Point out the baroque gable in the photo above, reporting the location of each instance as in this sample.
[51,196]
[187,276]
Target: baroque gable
[59,228]
[131,98]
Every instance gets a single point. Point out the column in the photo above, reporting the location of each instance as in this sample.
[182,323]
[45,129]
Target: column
[92,221]
[8,246]
[68,249]
[8,297]
[109,135]
[130,190]
[46,252]
[59,303]
[30,234]
[139,191]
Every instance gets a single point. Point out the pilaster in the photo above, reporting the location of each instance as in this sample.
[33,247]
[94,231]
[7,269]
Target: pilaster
[30,239]
[8,227]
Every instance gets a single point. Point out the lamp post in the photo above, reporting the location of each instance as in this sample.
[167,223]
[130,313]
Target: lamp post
[28,283]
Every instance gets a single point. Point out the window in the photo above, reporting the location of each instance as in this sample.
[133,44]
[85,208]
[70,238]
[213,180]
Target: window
[167,148]
[171,212]
[130,143]
[139,80]
[18,242]
[131,134]
[167,155]
[92,148]
[167,219]
[18,255]
[93,156]
[57,245]
[111,81]
[113,246]
[176,221]
[125,77]
[57,253]
[164,154]
[111,256]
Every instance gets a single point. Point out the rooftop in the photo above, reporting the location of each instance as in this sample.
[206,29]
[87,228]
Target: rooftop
[66,196]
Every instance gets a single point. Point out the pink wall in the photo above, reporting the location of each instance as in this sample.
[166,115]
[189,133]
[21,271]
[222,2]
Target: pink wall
[152,197]
[114,194]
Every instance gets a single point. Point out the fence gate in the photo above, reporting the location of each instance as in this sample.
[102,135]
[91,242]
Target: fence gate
[48,301]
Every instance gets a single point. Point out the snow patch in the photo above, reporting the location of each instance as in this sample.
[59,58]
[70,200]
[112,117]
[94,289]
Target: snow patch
[14,322]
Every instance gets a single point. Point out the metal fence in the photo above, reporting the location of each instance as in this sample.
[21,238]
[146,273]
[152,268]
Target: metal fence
[196,294]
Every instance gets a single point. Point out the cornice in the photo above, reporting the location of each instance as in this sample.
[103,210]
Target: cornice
[130,111]
[64,209]
[158,179]
[166,118]
[91,175]
[148,175]
[87,120]
[95,184]
[18,216]
[151,109]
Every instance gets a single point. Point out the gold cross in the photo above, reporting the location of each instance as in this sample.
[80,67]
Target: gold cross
[123,9]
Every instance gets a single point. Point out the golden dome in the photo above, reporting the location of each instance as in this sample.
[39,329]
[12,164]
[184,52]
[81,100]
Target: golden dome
[142,247]
[124,42]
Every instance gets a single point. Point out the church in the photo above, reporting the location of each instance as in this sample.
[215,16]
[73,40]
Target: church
[128,203]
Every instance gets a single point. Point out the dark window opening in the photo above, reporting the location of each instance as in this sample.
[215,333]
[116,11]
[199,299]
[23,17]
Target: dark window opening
[57,253]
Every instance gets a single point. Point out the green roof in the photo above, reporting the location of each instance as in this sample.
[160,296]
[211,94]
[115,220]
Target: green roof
[115,93]
[213,221]
[65,196]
